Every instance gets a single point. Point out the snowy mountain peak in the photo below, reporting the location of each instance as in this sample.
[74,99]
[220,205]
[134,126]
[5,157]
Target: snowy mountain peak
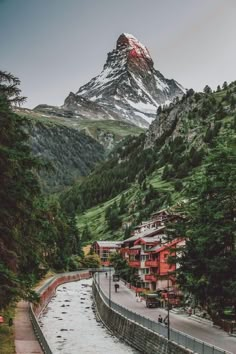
[128,88]
[136,48]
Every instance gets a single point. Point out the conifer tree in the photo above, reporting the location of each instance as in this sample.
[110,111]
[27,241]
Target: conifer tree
[19,190]
[209,259]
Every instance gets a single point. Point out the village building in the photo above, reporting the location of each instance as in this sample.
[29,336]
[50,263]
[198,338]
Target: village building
[104,248]
[148,250]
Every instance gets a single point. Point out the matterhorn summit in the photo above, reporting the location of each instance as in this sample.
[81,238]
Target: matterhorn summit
[128,88]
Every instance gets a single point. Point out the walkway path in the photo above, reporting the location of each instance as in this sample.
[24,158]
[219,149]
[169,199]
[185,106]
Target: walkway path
[203,331]
[25,340]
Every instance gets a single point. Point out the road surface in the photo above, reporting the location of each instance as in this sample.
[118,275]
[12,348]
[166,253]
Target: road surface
[183,323]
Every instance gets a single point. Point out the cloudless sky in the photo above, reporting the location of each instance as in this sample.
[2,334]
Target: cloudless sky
[56,46]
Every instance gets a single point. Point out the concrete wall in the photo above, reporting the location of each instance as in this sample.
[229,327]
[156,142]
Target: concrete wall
[136,335]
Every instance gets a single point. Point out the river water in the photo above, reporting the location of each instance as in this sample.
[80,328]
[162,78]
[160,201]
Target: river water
[70,326]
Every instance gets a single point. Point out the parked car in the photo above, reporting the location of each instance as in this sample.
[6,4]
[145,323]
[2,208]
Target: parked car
[152,301]
[116,277]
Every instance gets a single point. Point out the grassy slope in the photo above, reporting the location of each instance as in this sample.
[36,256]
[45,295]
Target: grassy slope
[95,217]
[118,128]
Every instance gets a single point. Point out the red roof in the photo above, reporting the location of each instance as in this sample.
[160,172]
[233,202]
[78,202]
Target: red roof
[169,245]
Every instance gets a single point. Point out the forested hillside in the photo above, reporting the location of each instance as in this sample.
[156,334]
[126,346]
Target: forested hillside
[186,161]
[71,147]
[151,171]
[35,233]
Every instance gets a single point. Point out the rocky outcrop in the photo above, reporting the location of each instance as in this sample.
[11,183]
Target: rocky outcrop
[176,120]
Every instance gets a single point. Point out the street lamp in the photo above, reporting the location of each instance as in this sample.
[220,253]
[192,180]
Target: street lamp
[168,307]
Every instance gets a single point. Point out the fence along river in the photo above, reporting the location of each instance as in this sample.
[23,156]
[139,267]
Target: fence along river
[70,326]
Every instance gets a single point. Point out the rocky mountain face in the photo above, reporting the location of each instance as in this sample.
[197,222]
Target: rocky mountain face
[129,88]
[174,121]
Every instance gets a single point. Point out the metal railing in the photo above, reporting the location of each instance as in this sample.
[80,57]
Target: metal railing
[38,332]
[180,338]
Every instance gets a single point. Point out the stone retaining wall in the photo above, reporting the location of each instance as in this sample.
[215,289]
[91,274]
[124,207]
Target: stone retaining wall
[136,335]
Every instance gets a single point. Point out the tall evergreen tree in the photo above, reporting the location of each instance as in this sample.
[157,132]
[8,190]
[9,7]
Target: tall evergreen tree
[209,259]
[19,190]
[9,88]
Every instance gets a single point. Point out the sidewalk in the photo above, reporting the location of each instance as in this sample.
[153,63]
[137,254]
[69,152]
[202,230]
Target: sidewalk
[25,340]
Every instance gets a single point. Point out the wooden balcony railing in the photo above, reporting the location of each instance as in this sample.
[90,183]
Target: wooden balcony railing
[152,263]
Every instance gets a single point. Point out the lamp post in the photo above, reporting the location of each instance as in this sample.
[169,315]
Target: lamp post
[168,307]
[99,279]
[109,287]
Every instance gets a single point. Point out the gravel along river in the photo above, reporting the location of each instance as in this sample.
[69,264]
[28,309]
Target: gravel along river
[70,326]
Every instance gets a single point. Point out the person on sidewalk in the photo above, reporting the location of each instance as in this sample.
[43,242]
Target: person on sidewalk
[190,311]
[160,319]
[166,321]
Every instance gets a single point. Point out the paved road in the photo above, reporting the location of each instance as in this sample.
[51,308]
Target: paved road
[205,332]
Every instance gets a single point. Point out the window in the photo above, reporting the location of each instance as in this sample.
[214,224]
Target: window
[145,270]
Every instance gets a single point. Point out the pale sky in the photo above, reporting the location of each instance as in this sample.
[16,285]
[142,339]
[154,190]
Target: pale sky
[56,46]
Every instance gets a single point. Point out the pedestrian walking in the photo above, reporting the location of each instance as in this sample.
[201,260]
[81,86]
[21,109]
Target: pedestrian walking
[106,274]
[160,319]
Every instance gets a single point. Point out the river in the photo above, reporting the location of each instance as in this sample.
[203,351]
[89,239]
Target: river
[70,326]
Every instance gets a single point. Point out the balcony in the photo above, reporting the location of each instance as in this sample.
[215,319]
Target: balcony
[152,263]
[151,277]
[134,264]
